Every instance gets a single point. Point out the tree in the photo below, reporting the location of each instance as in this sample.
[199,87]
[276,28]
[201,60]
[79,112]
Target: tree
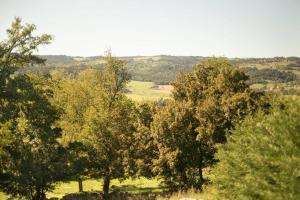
[145,149]
[16,53]
[261,159]
[74,95]
[31,158]
[179,153]
[109,125]
[78,162]
[206,103]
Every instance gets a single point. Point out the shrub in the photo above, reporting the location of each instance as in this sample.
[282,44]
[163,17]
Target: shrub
[262,158]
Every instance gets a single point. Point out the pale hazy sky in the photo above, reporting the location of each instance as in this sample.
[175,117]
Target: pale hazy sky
[233,28]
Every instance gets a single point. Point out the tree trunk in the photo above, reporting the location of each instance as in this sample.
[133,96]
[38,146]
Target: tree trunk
[80,187]
[201,180]
[36,196]
[185,181]
[43,196]
[39,195]
[201,176]
[106,183]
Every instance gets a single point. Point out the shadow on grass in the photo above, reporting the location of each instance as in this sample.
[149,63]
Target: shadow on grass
[138,190]
[118,193]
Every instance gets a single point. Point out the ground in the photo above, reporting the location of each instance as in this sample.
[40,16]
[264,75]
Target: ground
[145,91]
[135,186]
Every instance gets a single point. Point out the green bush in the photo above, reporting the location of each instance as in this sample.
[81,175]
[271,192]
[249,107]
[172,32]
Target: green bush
[262,158]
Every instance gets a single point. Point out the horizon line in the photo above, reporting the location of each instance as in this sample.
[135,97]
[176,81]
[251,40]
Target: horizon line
[156,55]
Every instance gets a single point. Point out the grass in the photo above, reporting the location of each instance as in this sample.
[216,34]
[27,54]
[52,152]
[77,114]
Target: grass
[207,194]
[145,91]
[3,196]
[134,186]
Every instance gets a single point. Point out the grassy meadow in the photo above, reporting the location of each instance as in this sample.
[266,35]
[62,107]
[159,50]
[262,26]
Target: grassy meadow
[134,186]
[145,91]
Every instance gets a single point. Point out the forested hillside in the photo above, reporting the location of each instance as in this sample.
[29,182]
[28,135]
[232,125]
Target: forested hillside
[162,69]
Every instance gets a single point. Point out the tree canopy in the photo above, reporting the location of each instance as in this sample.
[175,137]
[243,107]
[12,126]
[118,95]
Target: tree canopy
[206,104]
[31,157]
[261,159]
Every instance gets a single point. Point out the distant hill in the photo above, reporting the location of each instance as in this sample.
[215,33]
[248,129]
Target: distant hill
[58,59]
[162,69]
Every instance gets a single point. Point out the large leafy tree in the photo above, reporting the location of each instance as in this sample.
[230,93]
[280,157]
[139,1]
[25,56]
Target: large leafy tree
[261,159]
[219,96]
[206,103]
[31,158]
[74,95]
[109,125]
[180,153]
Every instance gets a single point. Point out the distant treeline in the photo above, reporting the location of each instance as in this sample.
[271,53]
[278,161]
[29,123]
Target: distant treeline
[162,69]
[265,75]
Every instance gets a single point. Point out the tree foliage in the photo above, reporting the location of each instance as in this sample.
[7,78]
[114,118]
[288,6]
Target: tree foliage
[74,95]
[265,75]
[206,104]
[31,157]
[145,149]
[181,157]
[262,158]
[109,125]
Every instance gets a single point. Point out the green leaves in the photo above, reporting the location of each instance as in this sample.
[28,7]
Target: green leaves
[75,96]
[206,104]
[17,50]
[31,158]
[262,158]
[97,113]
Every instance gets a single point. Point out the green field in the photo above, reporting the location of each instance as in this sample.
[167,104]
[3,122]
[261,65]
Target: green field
[134,186]
[143,91]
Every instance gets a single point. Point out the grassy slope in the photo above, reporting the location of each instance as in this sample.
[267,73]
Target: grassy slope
[143,91]
[139,185]
[3,196]
[129,185]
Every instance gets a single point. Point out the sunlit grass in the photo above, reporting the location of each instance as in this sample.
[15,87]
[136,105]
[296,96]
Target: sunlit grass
[2,196]
[135,186]
[145,91]
[207,194]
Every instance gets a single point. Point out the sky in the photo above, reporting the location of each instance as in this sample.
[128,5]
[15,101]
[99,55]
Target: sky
[232,28]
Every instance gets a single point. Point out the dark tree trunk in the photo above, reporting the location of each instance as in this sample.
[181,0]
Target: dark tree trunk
[201,176]
[106,183]
[185,182]
[80,186]
[39,195]
[200,167]
[43,196]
